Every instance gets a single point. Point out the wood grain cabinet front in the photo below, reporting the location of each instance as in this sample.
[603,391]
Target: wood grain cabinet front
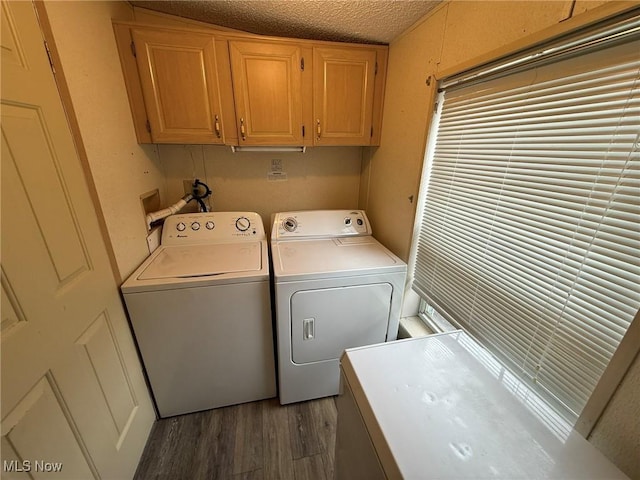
[267,88]
[179,80]
[191,86]
[343,95]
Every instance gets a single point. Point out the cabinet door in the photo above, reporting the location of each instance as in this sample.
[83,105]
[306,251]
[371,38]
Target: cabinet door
[267,90]
[343,85]
[180,85]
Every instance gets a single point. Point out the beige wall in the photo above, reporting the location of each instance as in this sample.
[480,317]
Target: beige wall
[391,172]
[455,36]
[122,170]
[320,178]
[617,434]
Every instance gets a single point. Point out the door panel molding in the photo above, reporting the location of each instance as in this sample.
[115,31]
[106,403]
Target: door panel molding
[11,49]
[103,354]
[12,313]
[50,204]
[41,428]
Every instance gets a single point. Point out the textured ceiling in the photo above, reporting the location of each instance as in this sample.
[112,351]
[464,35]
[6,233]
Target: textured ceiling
[362,21]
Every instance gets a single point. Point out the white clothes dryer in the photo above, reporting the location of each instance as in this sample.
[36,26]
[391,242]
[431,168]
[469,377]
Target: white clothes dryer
[200,308]
[335,287]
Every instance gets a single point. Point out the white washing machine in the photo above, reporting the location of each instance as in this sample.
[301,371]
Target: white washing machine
[201,313]
[335,287]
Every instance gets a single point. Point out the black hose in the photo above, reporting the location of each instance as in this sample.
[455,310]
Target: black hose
[199,197]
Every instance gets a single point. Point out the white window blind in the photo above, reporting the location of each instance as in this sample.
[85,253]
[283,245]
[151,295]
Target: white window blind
[529,232]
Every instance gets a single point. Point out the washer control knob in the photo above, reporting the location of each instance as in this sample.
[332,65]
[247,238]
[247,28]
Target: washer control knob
[243,224]
[360,222]
[210,225]
[290,224]
[347,221]
[195,226]
[180,227]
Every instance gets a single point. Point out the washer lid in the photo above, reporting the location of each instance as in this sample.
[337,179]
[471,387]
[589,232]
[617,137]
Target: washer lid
[203,260]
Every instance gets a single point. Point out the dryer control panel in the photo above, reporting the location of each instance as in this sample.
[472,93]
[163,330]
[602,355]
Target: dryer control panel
[319,224]
[212,227]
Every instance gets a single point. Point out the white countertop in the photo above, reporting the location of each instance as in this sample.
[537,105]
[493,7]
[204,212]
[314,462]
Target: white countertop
[441,407]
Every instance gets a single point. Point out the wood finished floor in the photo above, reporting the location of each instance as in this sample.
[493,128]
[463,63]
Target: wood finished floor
[259,440]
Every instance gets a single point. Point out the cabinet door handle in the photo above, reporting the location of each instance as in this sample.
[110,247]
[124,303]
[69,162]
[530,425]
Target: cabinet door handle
[216,125]
[242,129]
[318,129]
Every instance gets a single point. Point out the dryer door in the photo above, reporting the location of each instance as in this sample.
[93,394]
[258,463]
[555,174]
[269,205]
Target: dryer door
[325,322]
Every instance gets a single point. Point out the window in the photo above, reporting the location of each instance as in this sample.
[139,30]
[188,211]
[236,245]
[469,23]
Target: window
[529,220]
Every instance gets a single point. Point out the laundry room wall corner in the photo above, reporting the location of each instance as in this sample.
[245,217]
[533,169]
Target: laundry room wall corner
[121,169]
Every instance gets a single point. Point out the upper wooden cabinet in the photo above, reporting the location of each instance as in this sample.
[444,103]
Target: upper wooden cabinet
[267,88]
[343,95]
[179,79]
[214,87]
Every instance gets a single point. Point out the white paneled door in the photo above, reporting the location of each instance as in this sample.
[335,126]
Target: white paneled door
[73,402]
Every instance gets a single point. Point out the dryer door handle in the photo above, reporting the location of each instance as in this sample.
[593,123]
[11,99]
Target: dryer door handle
[308,328]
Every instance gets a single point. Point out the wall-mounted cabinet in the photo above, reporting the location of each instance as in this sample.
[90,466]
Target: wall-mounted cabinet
[213,87]
[179,79]
[267,87]
[343,89]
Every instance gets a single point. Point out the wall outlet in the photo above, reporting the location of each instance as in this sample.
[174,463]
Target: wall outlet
[276,165]
[276,174]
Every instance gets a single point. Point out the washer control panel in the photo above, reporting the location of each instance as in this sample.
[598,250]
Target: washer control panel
[212,227]
[320,224]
